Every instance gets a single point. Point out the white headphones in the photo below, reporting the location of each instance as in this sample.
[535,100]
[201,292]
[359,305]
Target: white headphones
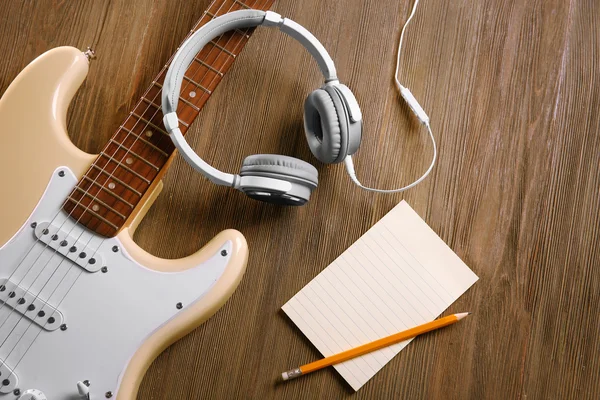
[332,118]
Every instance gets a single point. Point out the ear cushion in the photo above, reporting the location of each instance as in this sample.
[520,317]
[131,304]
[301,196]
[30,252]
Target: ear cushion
[354,128]
[324,133]
[280,167]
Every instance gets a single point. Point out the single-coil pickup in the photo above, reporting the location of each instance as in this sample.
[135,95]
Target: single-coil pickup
[75,247]
[30,306]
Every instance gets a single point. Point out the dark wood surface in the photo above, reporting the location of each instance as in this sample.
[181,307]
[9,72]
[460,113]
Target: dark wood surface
[136,159]
[512,88]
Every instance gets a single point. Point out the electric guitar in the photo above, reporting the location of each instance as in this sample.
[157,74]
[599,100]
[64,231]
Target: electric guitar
[83,309]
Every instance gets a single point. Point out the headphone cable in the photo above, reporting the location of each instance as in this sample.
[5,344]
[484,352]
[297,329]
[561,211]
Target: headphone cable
[417,110]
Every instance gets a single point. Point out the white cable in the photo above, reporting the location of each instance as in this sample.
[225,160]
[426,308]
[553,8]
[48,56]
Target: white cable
[350,168]
[412,14]
[415,107]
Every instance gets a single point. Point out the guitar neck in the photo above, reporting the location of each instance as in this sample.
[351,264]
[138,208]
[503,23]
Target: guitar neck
[138,154]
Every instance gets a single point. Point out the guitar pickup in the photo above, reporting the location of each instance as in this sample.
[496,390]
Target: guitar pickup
[76,249]
[30,306]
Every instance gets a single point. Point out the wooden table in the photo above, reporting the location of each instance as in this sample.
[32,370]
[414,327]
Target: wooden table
[513,91]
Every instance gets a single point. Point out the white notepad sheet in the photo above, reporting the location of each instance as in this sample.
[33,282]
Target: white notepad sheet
[399,274]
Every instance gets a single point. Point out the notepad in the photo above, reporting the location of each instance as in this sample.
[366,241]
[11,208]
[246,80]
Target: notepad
[398,275]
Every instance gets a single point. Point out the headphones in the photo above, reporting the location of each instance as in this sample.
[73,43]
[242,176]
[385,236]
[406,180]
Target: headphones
[332,118]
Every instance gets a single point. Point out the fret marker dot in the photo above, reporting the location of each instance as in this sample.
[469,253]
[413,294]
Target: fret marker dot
[95,207]
[192,94]
[149,134]
[129,160]
[111,185]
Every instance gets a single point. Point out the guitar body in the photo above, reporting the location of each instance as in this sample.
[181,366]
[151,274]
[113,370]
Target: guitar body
[103,321]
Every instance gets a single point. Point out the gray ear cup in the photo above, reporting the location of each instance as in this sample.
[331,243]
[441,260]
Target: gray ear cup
[354,126]
[303,177]
[330,131]
[324,133]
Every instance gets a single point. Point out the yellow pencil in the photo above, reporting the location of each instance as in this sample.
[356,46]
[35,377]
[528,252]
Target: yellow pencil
[369,347]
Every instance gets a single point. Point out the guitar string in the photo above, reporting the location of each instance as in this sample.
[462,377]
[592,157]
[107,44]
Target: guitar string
[46,303]
[18,284]
[73,283]
[144,128]
[83,231]
[78,202]
[110,174]
[143,113]
[81,271]
[91,237]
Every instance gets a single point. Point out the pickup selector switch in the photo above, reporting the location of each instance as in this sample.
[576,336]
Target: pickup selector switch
[32,394]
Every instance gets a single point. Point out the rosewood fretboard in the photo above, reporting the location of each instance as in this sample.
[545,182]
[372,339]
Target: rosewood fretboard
[137,155]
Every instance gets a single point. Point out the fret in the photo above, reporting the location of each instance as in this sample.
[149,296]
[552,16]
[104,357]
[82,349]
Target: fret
[106,190]
[149,123]
[151,103]
[94,213]
[129,151]
[140,138]
[213,16]
[95,199]
[189,103]
[244,34]
[117,179]
[210,67]
[125,167]
[199,86]
[242,4]
[159,108]
[108,199]
[223,49]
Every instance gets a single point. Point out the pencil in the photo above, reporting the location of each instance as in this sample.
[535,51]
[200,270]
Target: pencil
[369,347]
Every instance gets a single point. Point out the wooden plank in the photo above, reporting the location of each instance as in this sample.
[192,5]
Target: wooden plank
[512,91]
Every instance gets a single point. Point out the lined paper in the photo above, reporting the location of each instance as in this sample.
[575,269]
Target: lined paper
[399,274]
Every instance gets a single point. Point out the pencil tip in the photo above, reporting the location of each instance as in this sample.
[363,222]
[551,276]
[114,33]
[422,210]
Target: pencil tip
[460,316]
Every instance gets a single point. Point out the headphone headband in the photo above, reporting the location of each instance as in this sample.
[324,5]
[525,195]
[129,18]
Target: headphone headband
[184,58]
[332,117]
[238,20]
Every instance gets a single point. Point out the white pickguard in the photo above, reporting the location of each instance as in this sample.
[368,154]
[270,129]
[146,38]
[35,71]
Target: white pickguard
[108,315]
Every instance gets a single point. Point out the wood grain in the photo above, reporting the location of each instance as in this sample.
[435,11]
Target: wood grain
[512,89]
[136,160]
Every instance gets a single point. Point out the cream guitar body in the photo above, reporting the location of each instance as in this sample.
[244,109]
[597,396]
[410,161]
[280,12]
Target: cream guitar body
[75,306]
